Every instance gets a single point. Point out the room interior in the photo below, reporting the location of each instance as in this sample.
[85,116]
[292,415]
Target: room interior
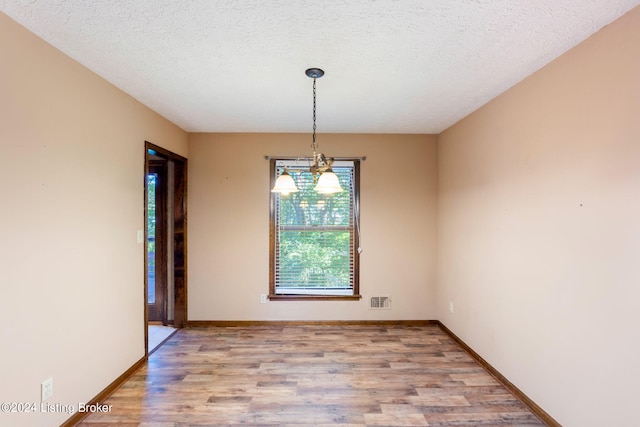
[515,226]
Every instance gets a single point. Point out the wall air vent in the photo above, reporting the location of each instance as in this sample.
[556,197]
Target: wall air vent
[380,303]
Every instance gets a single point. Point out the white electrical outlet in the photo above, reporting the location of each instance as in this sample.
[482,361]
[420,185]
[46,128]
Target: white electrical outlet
[263,298]
[451,306]
[140,236]
[47,389]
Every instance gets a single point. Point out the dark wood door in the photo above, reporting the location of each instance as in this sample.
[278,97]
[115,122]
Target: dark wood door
[157,192]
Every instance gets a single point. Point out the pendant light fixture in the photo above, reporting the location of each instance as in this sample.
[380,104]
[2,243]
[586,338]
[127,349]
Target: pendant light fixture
[326,180]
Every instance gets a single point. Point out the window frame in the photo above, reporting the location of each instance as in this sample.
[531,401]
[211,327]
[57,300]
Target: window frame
[355,231]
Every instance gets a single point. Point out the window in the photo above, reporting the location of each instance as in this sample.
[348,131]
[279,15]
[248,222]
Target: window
[314,238]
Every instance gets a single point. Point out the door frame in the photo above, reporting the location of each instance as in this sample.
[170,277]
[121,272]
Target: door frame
[179,207]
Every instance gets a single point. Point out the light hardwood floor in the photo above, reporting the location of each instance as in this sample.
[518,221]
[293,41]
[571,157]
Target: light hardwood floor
[313,375]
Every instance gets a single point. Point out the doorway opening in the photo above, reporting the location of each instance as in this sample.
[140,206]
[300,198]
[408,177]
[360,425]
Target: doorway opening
[165,286]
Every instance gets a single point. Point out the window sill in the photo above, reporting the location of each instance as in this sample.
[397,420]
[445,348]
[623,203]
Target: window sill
[314,297]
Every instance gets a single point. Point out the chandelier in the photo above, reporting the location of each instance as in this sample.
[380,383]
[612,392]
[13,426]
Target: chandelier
[325,180]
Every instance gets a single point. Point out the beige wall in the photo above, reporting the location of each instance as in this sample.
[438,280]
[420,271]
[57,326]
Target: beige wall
[229,226]
[72,152]
[539,231]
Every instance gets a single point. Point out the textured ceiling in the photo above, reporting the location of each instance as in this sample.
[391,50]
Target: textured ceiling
[392,66]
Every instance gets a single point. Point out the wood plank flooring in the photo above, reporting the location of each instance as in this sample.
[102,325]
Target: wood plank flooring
[312,376]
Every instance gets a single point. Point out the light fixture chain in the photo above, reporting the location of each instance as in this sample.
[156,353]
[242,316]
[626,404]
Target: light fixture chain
[314,146]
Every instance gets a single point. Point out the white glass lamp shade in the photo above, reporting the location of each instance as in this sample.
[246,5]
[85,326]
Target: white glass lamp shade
[285,184]
[328,183]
